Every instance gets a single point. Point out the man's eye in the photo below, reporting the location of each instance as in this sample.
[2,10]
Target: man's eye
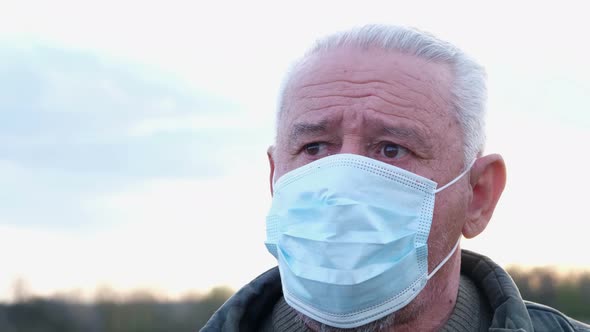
[313,149]
[393,151]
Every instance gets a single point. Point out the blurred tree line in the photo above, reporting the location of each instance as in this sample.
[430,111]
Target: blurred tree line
[146,313]
[143,312]
[569,293]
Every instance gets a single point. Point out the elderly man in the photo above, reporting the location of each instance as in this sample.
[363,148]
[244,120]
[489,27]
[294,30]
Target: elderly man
[376,173]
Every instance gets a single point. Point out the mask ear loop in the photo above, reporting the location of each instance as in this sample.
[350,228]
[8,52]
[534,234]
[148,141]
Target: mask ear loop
[274,177]
[441,264]
[457,178]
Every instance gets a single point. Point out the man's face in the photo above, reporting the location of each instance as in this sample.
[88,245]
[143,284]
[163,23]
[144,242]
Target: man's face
[383,105]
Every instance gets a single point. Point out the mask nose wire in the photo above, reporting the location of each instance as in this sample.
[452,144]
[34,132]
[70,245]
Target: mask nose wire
[457,178]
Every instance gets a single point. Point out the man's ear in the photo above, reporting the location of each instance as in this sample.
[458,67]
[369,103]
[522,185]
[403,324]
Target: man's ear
[269,153]
[487,179]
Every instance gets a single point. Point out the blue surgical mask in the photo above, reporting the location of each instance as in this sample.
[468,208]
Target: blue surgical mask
[350,236]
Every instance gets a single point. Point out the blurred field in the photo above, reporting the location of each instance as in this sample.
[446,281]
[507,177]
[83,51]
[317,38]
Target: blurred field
[144,312]
[569,293]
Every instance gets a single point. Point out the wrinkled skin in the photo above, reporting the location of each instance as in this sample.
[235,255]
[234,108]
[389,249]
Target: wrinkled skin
[397,109]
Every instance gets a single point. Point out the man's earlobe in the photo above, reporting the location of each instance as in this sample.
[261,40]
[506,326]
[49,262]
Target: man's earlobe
[487,179]
[269,153]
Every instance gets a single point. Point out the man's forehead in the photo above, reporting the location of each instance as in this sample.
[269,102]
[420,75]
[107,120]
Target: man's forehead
[404,80]
[371,64]
[393,93]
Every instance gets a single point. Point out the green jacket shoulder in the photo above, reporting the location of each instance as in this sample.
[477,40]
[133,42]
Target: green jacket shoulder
[545,318]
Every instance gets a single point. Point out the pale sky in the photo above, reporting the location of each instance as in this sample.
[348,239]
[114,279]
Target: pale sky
[133,136]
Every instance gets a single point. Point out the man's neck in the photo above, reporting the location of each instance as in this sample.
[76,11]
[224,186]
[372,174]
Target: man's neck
[434,305]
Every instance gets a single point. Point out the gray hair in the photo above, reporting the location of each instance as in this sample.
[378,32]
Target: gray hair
[468,89]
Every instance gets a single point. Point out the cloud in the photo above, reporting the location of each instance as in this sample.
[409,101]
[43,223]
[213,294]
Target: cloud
[46,90]
[77,125]
[77,111]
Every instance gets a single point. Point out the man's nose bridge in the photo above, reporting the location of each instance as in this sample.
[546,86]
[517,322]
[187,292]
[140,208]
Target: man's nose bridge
[353,124]
[354,145]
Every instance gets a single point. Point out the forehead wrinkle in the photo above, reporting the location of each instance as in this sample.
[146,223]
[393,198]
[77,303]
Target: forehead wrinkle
[426,91]
[368,100]
[320,86]
[342,73]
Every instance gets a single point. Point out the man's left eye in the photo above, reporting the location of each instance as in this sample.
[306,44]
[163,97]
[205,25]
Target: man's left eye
[393,151]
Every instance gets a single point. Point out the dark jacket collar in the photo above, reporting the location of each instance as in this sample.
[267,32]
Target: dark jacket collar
[246,309]
[250,305]
[509,310]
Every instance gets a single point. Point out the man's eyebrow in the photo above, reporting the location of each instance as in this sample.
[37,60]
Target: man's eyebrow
[305,128]
[409,134]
